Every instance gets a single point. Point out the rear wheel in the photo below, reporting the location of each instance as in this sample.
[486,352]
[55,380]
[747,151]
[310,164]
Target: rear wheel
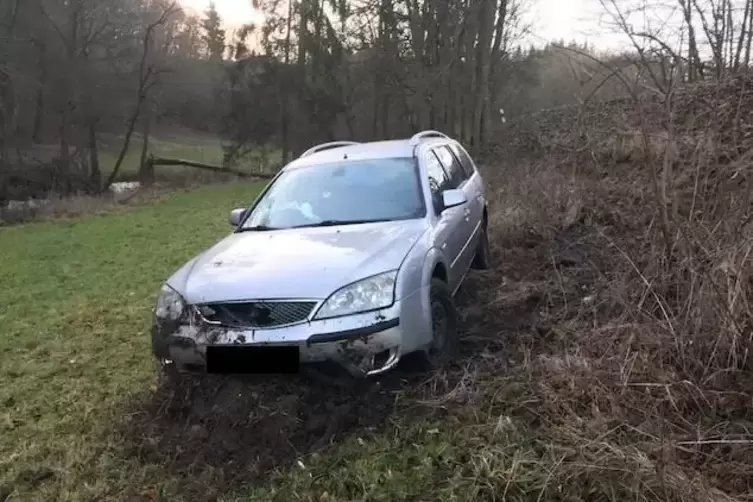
[444,329]
[482,260]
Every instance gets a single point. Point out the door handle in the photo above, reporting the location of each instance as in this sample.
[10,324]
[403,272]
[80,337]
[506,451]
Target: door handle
[466,212]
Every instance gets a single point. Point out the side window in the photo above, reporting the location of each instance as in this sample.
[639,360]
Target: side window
[452,165]
[438,179]
[465,160]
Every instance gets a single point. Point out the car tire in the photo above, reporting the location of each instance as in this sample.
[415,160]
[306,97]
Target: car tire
[482,260]
[444,318]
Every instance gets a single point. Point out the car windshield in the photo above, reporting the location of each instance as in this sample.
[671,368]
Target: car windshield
[340,193]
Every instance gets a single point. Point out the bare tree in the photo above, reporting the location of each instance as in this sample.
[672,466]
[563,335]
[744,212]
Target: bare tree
[147,78]
[701,38]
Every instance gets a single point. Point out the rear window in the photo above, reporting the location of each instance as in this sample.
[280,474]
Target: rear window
[451,165]
[465,160]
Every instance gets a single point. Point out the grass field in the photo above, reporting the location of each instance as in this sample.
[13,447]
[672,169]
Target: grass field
[75,306]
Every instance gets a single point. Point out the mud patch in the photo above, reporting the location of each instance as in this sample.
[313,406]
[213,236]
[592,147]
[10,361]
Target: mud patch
[219,433]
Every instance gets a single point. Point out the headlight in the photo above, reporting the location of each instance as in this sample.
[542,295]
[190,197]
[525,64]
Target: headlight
[375,292]
[170,305]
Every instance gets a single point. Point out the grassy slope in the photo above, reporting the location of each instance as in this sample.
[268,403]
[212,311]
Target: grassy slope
[76,299]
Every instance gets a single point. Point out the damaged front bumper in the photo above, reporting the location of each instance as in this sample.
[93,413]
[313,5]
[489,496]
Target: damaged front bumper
[364,344]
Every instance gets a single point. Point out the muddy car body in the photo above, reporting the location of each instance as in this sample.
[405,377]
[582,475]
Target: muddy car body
[352,255]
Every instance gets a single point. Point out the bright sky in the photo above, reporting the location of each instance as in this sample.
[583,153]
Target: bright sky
[551,19]
[581,20]
[233,12]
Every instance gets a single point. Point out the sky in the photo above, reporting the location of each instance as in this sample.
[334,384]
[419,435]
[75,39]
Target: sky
[550,19]
[232,12]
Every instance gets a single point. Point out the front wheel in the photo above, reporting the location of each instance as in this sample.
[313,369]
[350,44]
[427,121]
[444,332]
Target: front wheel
[444,329]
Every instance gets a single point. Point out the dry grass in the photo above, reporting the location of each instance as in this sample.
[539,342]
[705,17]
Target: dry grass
[640,388]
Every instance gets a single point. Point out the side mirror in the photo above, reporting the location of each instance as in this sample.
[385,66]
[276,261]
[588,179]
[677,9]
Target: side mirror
[236,215]
[453,198]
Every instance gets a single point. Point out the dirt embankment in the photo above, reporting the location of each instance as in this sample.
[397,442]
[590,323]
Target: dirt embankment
[605,357]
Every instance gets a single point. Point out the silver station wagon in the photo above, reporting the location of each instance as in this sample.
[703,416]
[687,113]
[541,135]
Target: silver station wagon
[351,255]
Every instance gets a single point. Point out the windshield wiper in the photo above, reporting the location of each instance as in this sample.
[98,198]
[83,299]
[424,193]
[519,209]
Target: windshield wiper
[257,228]
[334,223]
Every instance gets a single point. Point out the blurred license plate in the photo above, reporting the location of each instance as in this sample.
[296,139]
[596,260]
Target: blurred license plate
[244,359]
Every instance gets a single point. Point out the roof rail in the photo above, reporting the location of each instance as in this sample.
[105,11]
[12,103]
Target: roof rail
[327,146]
[416,138]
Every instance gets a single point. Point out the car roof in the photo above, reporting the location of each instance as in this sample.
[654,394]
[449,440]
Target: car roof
[390,149]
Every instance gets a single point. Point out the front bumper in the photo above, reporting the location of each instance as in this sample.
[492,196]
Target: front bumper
[364,344]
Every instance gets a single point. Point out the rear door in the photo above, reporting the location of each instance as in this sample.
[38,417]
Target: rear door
[468,229]
[469,167]
[447,238]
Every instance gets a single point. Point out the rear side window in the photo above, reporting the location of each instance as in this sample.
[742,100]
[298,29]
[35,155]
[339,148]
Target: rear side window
[438,179]
[452,165]
[465,160]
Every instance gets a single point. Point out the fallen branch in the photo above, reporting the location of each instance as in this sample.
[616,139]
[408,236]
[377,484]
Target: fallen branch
[163,161]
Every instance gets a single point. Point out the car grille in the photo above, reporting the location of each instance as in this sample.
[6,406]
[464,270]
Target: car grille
[257,314]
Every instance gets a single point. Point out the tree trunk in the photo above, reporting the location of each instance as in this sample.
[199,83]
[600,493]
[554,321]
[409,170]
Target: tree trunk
[743,32]
[286,91]
[36,133]
[95,174]
[39,105]
[486,25]
[693,57]
[69,87]
[146,168]
[465,104]
[749,33]
[499,34]
[379,57]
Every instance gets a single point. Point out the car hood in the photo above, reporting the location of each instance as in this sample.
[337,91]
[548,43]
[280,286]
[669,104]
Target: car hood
[295,263]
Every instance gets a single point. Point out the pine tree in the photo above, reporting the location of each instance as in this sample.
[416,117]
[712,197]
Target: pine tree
[214,35]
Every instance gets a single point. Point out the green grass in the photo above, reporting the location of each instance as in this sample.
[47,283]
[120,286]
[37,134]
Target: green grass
[453,459]
[74,346]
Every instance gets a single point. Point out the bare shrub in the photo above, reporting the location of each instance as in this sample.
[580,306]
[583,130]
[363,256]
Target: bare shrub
[633,375]
[534,199]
